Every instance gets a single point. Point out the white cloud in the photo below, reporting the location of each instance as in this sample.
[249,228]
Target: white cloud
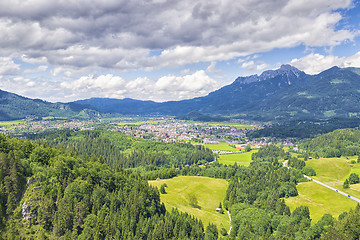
[316,63]
[252,66]
[7,66]
[113,34]
[211,68]
[72,41]
[165,88]
[41,68]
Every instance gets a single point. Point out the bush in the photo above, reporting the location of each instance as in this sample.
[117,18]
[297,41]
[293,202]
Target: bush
[309,171]
[354,178]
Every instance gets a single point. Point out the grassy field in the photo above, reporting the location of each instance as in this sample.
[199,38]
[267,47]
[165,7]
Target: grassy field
[243,158]
[221,146]
[208,191]
[320,200]
[235,125]
[11,123]
[334,171]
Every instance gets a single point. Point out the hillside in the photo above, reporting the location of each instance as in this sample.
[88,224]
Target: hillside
[332,93]
[231,99]
[49,193]
[282,94]
[13,107]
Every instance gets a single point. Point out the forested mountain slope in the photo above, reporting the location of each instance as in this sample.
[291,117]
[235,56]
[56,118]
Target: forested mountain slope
[13,107]
[120,150]
[341,142]
[282,94]
[51,193]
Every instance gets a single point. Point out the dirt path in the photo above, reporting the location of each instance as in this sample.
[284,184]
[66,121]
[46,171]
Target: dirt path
[230,222]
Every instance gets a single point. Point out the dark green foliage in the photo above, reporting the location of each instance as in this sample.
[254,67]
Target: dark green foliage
[193,200]
[308,171]
[341,142]
[223,232]
[296,163]
[248,148]
[162,189]
[120,150]
[270,153]
[14,107]
[354,178]
[211,232]
[348,227]
[215,170]
[346,184]
[68,197]
[304,128]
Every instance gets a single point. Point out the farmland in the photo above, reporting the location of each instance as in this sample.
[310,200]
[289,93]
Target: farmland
[334,171]
[320,200]
[243,158]
[208,191]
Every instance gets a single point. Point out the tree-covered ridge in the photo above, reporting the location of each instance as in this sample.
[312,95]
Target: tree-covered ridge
[341,142]
[14,107]
[118,149]
[49,193]
[255,199]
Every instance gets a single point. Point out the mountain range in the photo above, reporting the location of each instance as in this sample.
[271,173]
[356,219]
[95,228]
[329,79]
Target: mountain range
[282,94]
[13,107]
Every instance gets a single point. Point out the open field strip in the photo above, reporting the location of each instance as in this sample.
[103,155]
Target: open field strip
[320,200]
[243,158]
[208,191]
[334,171]
[222,146]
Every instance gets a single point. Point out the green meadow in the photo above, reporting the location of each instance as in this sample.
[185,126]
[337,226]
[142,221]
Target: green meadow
[222,146]
[209,192]
[320,200]
[235,125]
[11,123]
[334,171]
[243,158]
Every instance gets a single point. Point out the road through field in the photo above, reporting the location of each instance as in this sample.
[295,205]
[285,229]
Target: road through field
[327,186]
[334,189]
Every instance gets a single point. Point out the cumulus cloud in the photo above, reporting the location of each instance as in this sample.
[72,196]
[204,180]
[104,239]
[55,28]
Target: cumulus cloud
[315,63]
[120,34]
[72,41]
[252,66]
[7,66]
[165,88]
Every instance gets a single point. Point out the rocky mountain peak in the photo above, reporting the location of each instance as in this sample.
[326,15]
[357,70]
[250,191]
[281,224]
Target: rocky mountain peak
[285,70]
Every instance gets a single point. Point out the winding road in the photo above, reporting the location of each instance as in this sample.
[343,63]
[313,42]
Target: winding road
[230,222]
[327,186]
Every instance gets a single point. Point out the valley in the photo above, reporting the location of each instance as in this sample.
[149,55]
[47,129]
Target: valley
[186,169]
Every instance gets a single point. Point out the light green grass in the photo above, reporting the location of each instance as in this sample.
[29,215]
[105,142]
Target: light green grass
[243,158]
[139,123]
[320,200]
[235,125]
[335,168]
[208,191]
[334,171]
[11,123]
[221,146]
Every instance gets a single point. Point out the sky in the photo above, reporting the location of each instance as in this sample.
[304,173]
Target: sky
[162,50]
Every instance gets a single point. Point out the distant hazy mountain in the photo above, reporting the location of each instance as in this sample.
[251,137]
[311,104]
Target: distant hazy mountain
[332,93]
[282,94]
[232,99]
[14,107]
